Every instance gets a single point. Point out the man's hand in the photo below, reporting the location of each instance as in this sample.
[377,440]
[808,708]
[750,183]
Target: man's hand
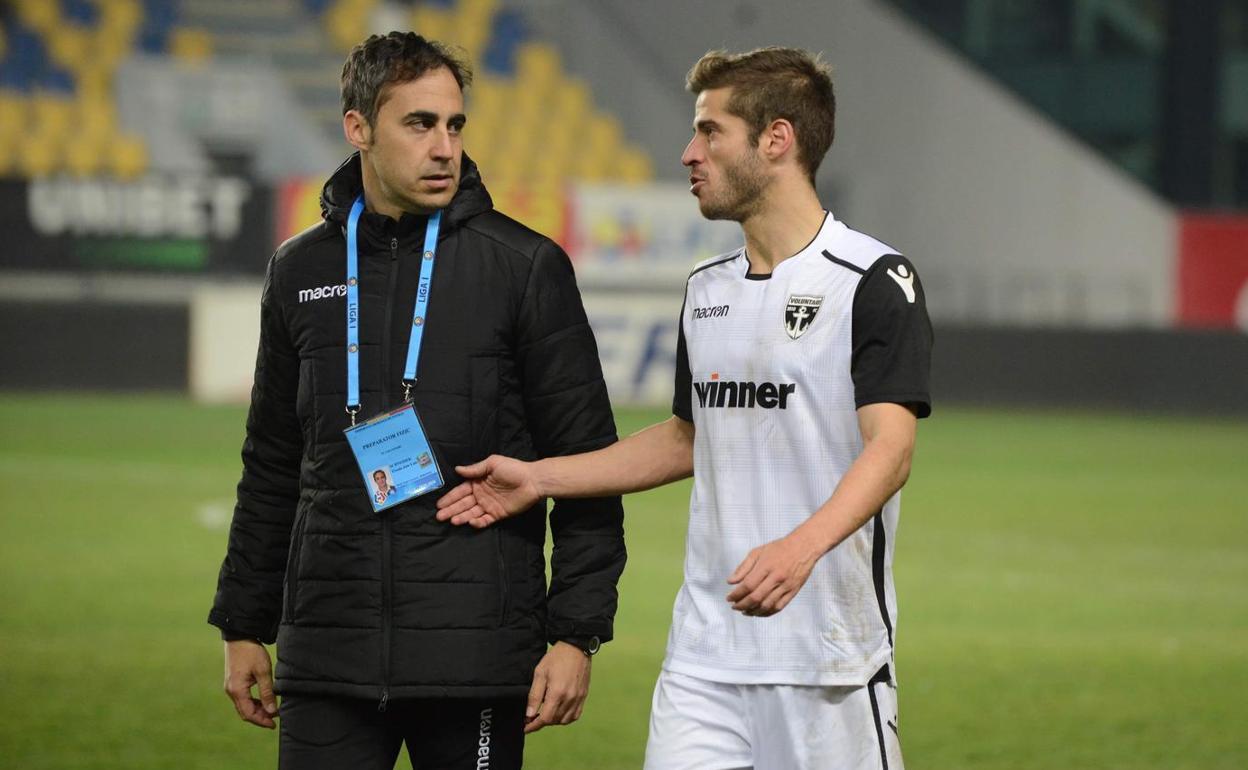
[247,663]
[560,685]
[496,487]
[772,574]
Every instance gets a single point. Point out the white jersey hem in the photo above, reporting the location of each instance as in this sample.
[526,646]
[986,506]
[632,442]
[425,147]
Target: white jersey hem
[798,677]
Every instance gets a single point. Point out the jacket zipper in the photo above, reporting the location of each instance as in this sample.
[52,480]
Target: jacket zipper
[386,588]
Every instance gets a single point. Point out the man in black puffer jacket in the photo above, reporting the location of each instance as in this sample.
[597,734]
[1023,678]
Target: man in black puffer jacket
[393,627]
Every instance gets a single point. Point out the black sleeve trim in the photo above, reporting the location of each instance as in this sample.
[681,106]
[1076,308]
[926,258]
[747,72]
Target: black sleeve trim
[892,337]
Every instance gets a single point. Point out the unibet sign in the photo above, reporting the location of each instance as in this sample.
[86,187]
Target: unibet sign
[155,207]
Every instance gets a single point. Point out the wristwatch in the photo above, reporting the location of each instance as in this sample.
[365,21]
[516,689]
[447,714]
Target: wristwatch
[586,644]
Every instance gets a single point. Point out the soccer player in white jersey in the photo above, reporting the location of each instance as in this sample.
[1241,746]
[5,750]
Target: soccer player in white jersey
[802,368]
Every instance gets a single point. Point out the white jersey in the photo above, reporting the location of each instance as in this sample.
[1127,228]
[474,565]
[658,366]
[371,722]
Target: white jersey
[771,372]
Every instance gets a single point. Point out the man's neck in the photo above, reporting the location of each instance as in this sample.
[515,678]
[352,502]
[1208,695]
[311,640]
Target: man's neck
[784,224]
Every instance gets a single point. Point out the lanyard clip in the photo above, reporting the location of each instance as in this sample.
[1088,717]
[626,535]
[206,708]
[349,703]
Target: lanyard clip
[353,411]
[407,389]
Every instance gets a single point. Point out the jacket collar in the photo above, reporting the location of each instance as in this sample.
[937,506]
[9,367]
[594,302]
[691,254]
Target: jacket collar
[346,183]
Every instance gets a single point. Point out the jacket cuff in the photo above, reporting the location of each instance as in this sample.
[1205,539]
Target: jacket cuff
[234,627]
[569,630]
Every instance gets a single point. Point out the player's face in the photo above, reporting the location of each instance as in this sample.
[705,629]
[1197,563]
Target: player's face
[726,173]
[379,478]
[417,142]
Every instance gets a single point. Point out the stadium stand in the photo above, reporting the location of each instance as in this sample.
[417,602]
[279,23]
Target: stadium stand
[57,66]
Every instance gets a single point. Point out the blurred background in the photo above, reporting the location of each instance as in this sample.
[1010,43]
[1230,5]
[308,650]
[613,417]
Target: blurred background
[1069,176]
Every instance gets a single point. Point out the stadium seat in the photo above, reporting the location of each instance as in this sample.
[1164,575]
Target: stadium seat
[346,22]
[120,18]
[84,155]
[69,45]
[40,15]
[13,107]
[37,155]
[53,114]
[127,157]
[190,45]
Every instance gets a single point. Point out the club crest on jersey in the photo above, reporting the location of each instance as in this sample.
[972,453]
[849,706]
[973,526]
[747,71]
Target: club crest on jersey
[800,312]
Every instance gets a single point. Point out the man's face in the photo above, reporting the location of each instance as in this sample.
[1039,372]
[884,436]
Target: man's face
[726,174]
[417,142]
[379,478]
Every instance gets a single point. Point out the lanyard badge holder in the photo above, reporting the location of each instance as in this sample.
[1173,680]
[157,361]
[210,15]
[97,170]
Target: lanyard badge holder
[391,449]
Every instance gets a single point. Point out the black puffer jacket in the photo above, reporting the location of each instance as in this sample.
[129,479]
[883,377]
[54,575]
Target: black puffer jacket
[398,604]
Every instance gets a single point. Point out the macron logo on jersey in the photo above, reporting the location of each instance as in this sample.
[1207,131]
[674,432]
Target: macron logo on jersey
[905,279]
[715,311]
[717,394]
[322,292]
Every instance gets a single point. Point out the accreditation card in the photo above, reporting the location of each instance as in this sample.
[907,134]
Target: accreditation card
[395,457]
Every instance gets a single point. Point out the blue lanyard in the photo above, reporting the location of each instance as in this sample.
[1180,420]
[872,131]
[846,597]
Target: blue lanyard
[353,306]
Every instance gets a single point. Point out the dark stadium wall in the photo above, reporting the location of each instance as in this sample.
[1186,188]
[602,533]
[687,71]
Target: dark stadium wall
[1194,372]
[93,346]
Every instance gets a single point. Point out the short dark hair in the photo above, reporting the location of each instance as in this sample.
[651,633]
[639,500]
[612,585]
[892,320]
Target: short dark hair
[398,57]
[774,82]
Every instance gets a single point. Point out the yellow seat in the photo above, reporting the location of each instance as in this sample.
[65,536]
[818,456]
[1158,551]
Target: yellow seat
[488,92]
[432,23]
[192,46]
[570,100]
[84,154]
[634,166]
[96,85]
[94,114]
[537,63]
[53,114]
[8,157]
[14,108]
[127,157]
[480,9]
[37,156]
[120,18]
[109,47]
[70,46]
[346,22]
[41,15]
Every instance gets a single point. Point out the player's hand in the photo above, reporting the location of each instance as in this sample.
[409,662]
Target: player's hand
[772,574]
[560,686]
[496,487]
[247,663]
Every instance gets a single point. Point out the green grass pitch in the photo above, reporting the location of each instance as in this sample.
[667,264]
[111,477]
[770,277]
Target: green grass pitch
[1073,589]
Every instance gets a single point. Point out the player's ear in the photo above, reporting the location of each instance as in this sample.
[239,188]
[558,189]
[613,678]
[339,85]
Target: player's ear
[778,139]
[357,130]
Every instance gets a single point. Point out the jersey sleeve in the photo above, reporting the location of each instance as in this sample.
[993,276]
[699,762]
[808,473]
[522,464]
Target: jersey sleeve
[682,400]
[892,337]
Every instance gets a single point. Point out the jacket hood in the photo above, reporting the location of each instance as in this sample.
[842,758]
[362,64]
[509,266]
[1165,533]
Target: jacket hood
[346,183]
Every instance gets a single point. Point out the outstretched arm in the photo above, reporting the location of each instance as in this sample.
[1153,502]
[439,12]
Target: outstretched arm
[498,486]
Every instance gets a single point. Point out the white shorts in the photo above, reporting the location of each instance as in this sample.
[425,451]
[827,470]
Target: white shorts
[696,724]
